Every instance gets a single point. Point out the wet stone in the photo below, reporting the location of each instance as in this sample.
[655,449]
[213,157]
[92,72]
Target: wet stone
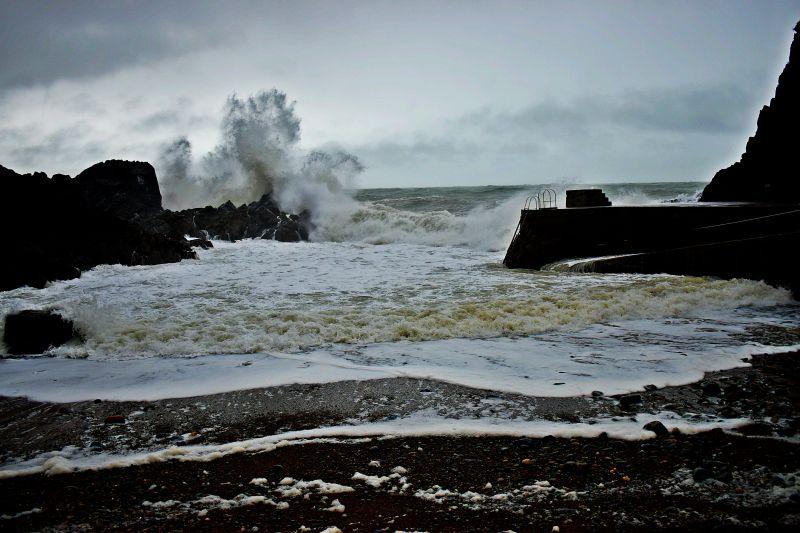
[711,389]
[629,402]
[701,474]
[656,427]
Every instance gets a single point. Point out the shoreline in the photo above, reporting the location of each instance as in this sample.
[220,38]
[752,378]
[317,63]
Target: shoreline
[766,393]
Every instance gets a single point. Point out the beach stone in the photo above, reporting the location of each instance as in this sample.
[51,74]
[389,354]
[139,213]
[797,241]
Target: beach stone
[701,474]
[628,401]
[656,427]
[597,394]
[760,429]
[205,244]
[650,388]
[115,419]
[35,331]
[711,389]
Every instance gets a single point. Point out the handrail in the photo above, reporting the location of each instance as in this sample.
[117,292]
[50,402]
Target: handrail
[544,199]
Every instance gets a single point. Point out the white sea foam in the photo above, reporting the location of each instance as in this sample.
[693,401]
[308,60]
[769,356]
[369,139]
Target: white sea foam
[416,425]
[263,296]
[482,228]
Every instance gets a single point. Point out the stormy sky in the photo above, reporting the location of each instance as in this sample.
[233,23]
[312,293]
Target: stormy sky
[424,93]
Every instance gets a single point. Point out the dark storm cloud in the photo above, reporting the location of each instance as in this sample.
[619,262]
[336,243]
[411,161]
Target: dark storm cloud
[42,42]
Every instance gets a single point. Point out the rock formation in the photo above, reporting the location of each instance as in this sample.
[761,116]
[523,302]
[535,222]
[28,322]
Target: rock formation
[111,213]
[34,331]
[769,168]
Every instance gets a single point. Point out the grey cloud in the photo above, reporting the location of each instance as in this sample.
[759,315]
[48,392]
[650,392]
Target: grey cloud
[664,132]
[159,118]
[60,145]
[42,42]
[723,109]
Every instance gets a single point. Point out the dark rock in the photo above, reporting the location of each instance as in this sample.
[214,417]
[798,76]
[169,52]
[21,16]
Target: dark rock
[115,419]
[32,332]
[58,232]
[650,388]
[729,412]
[656,427]
[111,213]
[701,474]
[597,394]
[767,171]
[523,442]
[711,389]
[261,219]
[629,401]
[760,429]
[123,188]
[205,244]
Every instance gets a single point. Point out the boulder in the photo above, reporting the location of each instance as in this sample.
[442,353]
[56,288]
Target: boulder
[768,169]
[53,232]
[656,427]
[35,331]
[630,402]
[123,188]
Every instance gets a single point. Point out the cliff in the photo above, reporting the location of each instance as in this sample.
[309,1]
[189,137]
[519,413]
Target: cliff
[769,169]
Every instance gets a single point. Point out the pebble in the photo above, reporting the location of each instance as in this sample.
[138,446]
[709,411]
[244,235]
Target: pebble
[628,401]
[115,419]
[656,427]
[701,474]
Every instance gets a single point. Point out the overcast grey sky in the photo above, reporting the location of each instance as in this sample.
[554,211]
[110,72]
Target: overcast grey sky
[425,93]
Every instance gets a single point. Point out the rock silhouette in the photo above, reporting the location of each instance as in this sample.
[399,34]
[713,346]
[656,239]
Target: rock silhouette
[769,168]
[111,213]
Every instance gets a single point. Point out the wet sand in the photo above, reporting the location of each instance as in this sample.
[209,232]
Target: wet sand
[747,479]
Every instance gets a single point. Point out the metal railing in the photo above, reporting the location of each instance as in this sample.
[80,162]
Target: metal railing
[544,199]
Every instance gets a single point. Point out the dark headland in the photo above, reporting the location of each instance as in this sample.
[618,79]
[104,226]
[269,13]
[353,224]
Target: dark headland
[747,479]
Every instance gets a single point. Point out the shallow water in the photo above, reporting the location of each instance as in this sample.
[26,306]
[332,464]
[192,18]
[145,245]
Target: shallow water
[433,300]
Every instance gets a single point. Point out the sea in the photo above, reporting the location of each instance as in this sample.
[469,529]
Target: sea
[404,282]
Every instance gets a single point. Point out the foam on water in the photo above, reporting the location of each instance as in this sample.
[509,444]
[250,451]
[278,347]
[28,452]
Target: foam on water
[260,296]
[397,284]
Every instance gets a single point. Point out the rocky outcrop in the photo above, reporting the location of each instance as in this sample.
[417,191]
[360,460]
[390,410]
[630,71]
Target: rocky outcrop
[111,213]
[769,168]
[35,331]
[126,189]
[53,232]
[261,219]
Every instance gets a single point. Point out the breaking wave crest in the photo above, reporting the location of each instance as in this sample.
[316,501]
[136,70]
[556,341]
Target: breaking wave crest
[258,297]
[246,329]
[483,228]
